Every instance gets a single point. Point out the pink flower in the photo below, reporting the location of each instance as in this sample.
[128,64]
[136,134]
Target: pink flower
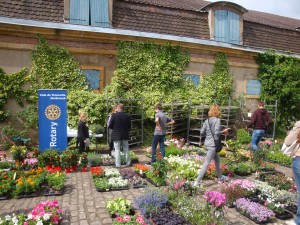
[119,219]
[126,218]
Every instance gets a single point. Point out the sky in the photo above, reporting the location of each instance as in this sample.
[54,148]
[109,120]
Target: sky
[288,8]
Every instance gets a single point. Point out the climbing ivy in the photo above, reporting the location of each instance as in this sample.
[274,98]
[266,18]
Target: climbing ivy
[217,85]
[280,79]
[54,67]
[12,86]
[151,71]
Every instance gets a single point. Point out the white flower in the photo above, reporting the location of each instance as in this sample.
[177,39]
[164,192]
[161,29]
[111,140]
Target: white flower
[30,216]
[39,222]
[46,216]
[8,217]
[15,220]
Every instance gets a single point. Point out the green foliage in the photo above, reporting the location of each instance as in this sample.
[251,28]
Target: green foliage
[54,67]
[243,137]
[280,79]
[151,71]
[91,103]
[12,87]
[218,84]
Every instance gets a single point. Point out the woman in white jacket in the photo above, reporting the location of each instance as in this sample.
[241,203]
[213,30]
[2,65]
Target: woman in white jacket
[292,136]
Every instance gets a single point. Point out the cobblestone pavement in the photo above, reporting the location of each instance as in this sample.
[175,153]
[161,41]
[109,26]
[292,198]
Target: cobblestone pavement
[83,205]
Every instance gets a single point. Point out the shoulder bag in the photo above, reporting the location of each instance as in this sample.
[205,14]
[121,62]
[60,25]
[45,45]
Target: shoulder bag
[290,150]
[218,143]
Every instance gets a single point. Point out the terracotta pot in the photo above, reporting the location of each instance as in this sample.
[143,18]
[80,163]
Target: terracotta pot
[68,170]
[84,169]
[73,168]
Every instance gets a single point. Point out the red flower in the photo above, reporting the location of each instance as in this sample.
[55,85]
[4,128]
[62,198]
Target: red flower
[156,172]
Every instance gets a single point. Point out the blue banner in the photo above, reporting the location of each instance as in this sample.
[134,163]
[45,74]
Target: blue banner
[52,110]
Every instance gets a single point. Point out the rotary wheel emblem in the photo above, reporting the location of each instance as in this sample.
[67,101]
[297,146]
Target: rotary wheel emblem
[52,112]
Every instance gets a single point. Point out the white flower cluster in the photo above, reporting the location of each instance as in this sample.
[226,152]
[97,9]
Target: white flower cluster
[117,182]
[111,172]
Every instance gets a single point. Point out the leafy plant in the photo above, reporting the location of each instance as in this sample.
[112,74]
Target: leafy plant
[56,180]
[101,183]
[243,137]
[120,206]
[94,159]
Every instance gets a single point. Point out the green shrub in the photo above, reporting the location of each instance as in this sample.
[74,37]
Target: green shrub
[243,136]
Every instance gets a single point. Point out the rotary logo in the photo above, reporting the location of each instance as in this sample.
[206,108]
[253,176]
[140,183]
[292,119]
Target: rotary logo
[52,112]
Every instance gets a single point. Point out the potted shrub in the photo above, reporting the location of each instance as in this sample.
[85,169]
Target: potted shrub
[242,168]
[97,172]
[94,159]
[83,161]
[159,173]
[232,191]
[18,153]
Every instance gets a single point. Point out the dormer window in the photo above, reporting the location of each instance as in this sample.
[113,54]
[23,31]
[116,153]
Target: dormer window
[225,22]
[227,27]
[90,12]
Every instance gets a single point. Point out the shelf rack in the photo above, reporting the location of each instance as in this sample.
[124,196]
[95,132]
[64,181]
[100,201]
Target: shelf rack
[248,110]
[135,108]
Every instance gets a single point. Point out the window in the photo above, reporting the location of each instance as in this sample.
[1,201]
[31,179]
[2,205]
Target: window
[253,88]
[90,12]
[194,78]
[94,77]
[227,26]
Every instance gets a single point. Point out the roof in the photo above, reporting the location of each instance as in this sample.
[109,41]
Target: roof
[184,18]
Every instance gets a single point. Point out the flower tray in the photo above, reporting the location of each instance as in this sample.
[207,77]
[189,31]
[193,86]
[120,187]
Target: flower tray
[285,215]
[3,197]
[52,192]
[242,174]
[102,190]
[270,220]
[142,175]
[139,186]
[152,182]
[119,188]
[35,194]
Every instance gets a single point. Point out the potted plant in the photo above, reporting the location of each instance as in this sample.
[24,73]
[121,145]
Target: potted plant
[83,161]
[118,183]
[242,168]
[129,219]
[6,184]
[151,201]
[119,206]
[112,172]
[101,184]
[97,172]
[51,157]
[56,181]
[159,173]
[232,191]
[127,173]
[18,153]
[141,169]
[94,159]
[254,211]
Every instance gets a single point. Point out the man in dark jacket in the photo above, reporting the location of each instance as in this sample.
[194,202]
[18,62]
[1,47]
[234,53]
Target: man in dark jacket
[260,121]
[120,124]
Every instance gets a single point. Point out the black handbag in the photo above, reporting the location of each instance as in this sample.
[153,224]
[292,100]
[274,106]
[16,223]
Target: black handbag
[218,143]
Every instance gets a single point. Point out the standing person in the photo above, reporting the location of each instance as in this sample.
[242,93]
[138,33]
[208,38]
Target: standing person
[260,121]
[120,124]
[83,136]
[161,122]
[110,141]
[292,136]
[211,128]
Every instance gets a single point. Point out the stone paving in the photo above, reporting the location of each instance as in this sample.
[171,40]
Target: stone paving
[83,205]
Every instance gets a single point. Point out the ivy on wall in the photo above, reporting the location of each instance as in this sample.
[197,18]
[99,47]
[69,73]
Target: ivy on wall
[151,71]
[54,67]
[217,85]
[280,79]
[12,87]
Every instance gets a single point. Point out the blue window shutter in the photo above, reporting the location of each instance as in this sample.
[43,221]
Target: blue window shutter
[221,25]
[79,12]
[99,13]
[253,87]
[234,28]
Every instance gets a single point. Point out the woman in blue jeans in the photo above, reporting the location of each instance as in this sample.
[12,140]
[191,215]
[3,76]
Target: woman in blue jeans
[212,130]
[295,135]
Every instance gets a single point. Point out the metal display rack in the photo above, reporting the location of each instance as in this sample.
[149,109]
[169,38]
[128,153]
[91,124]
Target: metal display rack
[247,111]
[179,112]
[135,108]
[199,113]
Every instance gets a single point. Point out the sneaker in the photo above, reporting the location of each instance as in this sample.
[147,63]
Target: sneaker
[223,179]
[196,184]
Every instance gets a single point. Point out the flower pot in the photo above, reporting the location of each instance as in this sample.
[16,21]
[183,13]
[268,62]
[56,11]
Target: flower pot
[73,168]
[49,166]
[68,170]
[84,169]
[284,215]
